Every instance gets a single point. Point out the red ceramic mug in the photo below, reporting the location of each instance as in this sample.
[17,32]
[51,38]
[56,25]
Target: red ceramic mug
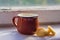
[26,23]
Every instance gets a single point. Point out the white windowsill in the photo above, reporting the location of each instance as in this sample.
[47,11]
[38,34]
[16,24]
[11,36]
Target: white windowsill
[31,8]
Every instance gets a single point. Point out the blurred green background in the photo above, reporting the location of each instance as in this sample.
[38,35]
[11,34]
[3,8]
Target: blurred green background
[28,2]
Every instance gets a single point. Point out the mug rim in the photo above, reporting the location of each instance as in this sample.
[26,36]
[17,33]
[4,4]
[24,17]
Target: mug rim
[27,15]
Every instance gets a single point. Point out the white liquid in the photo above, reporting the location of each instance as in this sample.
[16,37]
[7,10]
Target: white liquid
[27,15]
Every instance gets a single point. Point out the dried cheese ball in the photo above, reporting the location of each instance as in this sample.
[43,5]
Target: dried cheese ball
[41,32]
[51,31]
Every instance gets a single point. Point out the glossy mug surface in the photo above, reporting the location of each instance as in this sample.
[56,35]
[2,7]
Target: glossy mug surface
[26,23]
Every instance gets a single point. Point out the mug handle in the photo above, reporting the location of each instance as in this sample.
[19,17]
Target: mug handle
[13,20]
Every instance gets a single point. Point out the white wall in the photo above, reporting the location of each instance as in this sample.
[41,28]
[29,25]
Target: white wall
[44,16]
